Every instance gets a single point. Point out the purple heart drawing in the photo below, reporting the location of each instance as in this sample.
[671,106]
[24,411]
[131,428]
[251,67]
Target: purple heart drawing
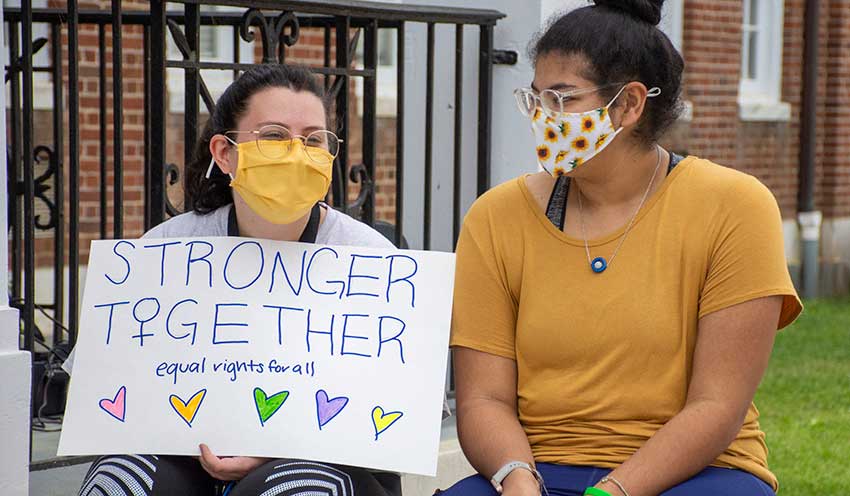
[116,407]
[327,409]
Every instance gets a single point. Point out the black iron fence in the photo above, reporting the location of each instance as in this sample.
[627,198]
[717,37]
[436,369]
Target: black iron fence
[44,168]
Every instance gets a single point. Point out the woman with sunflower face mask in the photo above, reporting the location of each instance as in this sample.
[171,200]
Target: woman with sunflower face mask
[262,167]
[614,313]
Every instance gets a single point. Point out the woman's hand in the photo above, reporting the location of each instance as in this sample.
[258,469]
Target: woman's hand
[520,483]
[228,468]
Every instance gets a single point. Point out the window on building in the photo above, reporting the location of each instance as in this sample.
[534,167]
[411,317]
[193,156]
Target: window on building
[760,90]
[672,20]
[387,72]
[42,81]
[215,45]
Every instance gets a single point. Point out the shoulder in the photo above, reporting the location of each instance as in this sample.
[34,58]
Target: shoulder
[723,197]
[709,184]
[192,224]
[341,229]
[722,182]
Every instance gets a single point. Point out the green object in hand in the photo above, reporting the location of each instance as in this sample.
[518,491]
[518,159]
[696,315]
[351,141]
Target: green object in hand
[595,491]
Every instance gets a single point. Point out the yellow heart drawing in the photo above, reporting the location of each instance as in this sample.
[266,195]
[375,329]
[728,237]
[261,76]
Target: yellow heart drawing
[383,421]
[187,409]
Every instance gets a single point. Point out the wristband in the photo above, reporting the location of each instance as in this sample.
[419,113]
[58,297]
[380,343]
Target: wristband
[502,474]
[595,491]
[616,483]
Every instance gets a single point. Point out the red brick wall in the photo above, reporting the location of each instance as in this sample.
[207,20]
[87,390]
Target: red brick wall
[768,150]
[835,165]
[133,131]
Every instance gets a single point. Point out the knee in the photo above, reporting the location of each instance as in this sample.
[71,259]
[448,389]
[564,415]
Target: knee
[118,475]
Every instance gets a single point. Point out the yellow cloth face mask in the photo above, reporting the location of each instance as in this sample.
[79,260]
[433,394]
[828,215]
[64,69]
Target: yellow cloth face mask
[281,190]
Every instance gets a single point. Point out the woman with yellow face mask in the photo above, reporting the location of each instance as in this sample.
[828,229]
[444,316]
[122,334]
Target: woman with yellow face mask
[261,169]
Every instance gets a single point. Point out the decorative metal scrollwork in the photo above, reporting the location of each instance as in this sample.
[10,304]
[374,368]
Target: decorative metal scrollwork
[171,177]
[359,174]
[183,45]
[274,35]
[17,65]
[40,154]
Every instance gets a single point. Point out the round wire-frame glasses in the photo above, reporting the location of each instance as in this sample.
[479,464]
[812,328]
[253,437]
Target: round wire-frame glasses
[550,101]
[274,141]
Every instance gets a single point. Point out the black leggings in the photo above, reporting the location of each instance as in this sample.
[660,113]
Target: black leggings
[151,475]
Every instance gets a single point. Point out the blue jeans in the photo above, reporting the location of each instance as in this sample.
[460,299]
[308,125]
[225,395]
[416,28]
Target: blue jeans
[566,480]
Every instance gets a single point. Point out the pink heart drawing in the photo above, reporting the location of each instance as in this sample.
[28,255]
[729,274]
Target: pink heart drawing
[116,406]
[327,409]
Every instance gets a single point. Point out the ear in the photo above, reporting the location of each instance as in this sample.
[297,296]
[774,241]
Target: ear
[224,154]
[631,105]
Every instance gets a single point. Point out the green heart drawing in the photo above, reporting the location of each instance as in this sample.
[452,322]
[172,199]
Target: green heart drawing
[268,405]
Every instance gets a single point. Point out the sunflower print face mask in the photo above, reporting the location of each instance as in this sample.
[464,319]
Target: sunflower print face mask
[568,140]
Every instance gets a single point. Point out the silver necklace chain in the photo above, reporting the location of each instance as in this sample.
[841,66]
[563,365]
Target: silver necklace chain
[631,222]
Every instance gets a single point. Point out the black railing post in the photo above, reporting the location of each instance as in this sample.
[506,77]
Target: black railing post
[28,313]
[485,106]
[429,139]
[14,165]
[73,171]
[343,27]
[192,84]
[370,127]
[146,63]
[58,187]
[458,141]
[101,78]
[399,137]
[156,168]
[117,123]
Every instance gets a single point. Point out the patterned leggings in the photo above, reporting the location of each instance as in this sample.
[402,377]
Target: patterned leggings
[152,475]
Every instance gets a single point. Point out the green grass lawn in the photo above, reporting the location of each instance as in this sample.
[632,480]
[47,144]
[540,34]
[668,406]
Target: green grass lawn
[805,402]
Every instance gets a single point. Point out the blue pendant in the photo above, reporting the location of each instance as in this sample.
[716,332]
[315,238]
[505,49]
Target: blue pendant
[598,265]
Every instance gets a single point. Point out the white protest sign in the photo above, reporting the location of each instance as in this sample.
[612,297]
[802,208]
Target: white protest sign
[262,348]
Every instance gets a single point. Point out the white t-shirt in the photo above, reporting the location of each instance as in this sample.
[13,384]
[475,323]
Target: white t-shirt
[337,229]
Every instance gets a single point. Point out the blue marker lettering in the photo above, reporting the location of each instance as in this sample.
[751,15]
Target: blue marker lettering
[164,247]
[111,310]
[142,321]
[310,265]
[345,334]
[217,324]
[190,260]
[193,325]
[280,320]
[395,338]
[311,331]
[352,275]
[278,260]
[391,281]
[259,272]
[126,262]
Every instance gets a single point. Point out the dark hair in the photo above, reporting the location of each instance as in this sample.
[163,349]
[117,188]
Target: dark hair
[621,43]
[206,195]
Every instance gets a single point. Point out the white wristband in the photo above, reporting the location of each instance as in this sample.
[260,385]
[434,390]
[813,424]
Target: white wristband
[506,470]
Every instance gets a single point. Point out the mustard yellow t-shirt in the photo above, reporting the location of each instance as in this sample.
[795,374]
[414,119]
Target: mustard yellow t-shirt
[604,360]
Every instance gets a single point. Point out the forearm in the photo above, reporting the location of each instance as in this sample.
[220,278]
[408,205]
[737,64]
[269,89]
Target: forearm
[491,435]
[688,443]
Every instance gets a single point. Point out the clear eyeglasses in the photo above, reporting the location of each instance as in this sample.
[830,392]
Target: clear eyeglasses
[550,101]
[274,141]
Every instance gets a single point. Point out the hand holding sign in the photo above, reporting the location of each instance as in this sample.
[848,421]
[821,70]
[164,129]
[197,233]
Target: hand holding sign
[233,342]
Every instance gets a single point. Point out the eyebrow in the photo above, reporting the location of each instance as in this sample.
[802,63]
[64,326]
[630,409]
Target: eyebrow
[308,129]
[557,87]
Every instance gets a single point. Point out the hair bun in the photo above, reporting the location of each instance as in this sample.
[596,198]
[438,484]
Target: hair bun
[645,10]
